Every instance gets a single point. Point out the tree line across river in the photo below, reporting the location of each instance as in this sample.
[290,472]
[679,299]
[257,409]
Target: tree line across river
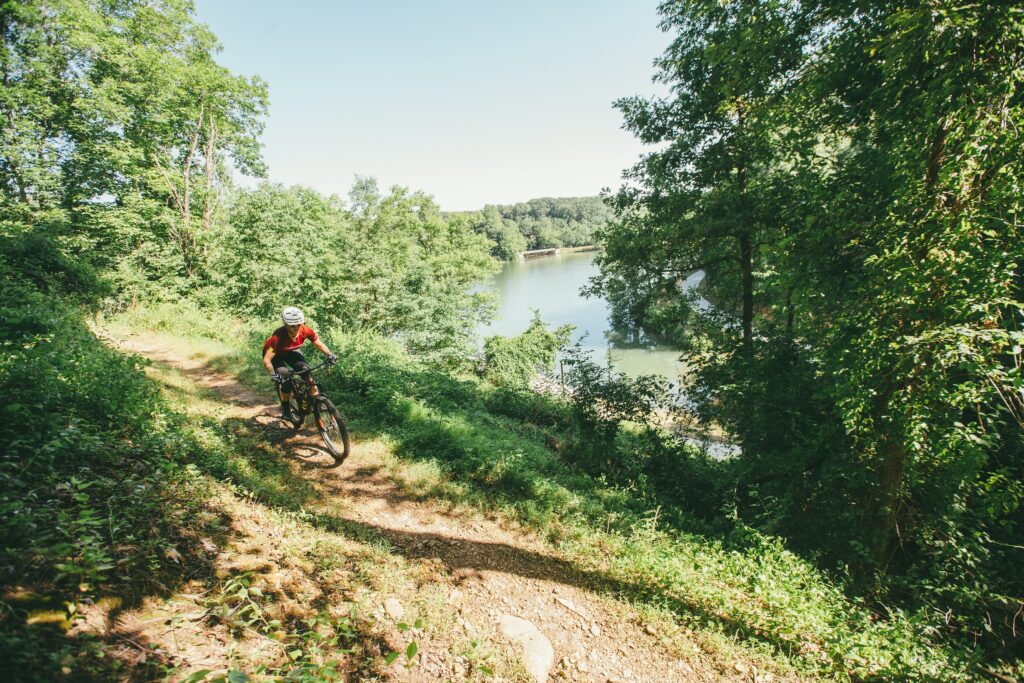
[540,223]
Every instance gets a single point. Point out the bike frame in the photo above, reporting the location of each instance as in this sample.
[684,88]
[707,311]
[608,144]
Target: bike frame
[300,390]
[329,422]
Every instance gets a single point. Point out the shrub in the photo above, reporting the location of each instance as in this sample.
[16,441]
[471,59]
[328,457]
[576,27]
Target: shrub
[529,406]
[514,361]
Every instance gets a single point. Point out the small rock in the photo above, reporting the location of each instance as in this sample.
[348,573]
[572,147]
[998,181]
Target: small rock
[394,608]
[740,668]
[583,666]
[571,606]
[455,595]
[595,629]
[538,655]
[650,630]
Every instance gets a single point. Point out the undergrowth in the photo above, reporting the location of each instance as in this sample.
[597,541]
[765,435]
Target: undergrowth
[518,455]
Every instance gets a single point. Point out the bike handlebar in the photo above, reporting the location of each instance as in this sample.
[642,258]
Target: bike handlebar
[314,368]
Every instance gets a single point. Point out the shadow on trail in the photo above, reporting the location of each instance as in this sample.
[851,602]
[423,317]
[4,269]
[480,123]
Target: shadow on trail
[491,455]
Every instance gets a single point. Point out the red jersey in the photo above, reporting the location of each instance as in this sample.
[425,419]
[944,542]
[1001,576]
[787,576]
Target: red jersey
[282,343]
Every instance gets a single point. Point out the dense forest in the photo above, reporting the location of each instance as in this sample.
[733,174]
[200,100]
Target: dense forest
[848,174]
[539,223]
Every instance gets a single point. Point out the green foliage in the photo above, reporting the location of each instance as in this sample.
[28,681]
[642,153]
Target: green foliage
[89,501]
[32,258]
[508,240]
[119,127]
[281,247]
[849,178]
[392,265]
[514,361]
[540,224]
[528,406]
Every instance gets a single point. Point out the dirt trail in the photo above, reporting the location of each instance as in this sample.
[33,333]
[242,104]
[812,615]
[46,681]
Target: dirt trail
[485,570]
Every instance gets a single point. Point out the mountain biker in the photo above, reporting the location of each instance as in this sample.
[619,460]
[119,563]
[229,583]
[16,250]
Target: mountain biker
[282,357]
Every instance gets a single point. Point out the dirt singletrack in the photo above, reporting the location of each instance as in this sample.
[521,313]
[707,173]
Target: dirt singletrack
[487,570]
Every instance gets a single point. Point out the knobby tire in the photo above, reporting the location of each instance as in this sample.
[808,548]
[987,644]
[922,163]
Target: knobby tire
[332,429]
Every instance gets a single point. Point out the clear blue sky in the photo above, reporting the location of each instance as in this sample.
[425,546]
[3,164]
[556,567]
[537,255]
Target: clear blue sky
[475,102]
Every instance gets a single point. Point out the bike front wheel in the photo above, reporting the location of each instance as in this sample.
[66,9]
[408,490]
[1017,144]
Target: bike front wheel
[332,429]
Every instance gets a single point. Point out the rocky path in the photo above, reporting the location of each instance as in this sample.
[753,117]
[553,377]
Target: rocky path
[496,580]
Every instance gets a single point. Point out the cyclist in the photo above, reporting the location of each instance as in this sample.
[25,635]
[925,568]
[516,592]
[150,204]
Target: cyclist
[282,357]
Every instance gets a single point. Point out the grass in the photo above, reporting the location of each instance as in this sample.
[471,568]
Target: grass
[734,591]
[188,515]
[325,562]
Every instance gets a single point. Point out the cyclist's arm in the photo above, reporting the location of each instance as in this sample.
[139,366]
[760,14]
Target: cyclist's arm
[321,347]
[267,357]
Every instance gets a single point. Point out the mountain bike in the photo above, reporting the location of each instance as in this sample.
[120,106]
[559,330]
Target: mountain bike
[328,420]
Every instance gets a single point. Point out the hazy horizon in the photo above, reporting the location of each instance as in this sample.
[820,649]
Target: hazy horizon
[470,103]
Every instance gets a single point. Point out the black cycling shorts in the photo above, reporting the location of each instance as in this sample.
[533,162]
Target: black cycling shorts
[284,363]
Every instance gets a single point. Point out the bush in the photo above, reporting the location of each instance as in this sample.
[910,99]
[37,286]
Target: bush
[514,361]
[529,406]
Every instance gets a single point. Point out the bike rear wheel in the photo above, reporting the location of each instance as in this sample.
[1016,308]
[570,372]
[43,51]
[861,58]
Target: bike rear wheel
[332,429]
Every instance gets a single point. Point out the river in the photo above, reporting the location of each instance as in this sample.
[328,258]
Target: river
[551,285]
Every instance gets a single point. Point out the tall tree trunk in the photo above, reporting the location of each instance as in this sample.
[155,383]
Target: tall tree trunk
[747,280]
[892,451]
[211,141]
[746,242]
[15,174]
[891,474]
[187,238]
[789,312]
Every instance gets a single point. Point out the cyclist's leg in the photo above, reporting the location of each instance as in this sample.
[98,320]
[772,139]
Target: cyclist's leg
[279,362]
[284,392]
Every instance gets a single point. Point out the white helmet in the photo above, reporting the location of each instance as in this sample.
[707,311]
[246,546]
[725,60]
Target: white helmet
[292,316]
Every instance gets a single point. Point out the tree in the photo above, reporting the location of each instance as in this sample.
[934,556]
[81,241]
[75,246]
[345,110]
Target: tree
[540,223]
[704,191]
[924,348]
[118,118]
[849,175]
[391,265]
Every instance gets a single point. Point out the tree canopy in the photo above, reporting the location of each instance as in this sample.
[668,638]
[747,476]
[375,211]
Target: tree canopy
[849,176]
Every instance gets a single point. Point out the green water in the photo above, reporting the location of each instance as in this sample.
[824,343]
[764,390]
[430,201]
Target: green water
[551,285]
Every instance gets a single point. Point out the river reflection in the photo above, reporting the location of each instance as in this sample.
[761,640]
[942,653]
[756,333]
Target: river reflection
[551,285]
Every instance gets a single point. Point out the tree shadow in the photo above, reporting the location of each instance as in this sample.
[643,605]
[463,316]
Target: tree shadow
[39,640]
[500,456]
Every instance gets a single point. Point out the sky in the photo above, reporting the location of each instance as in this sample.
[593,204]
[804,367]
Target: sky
[474,102]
